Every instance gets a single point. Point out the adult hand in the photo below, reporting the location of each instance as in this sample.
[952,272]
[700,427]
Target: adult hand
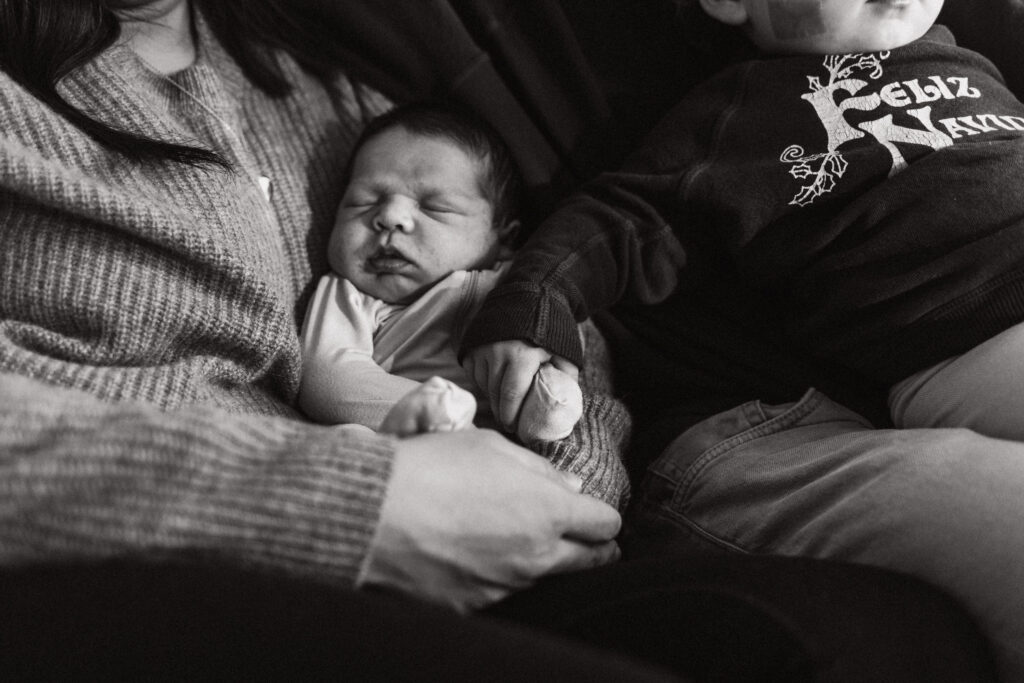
[470,517]
[505,370]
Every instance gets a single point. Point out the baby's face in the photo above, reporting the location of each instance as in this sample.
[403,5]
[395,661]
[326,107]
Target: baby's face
[413,213]
[837,26]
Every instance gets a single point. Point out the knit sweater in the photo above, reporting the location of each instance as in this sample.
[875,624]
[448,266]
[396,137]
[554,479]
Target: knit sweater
[148,324]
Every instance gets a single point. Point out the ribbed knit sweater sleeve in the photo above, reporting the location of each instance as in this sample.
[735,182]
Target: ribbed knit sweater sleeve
[595,450]
[149,354]
[84,478]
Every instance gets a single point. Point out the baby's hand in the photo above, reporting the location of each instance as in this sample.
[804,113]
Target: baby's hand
[436,405]
[505,371]
[552,408]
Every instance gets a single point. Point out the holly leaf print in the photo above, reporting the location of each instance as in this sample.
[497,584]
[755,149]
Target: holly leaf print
[824,177]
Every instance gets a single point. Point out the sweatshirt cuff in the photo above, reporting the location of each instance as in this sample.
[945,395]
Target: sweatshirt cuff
[537,315]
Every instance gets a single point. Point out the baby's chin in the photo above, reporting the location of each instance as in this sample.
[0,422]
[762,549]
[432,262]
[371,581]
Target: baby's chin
[391,288]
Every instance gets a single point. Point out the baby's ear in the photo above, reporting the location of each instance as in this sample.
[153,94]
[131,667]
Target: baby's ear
[508,238]
[731,12]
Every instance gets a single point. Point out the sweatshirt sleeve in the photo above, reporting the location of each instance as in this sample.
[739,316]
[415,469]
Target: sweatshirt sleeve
[82,478]
[611,240]
[617,238]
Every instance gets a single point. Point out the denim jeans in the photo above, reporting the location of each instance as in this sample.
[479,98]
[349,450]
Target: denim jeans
[980,389]
[813,479]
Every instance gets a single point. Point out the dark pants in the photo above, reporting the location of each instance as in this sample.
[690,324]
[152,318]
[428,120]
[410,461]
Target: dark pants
[756,618]
[714,619]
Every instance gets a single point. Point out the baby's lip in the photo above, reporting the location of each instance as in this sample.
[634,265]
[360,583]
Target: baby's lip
[388,261]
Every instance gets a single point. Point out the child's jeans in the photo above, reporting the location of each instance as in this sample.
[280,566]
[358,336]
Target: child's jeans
[982,390]
[814,479]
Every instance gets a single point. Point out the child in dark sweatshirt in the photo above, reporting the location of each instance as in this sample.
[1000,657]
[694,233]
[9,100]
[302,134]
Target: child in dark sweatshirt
[863,179]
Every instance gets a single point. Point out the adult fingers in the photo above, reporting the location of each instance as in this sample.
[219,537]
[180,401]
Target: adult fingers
[573,480]
[581,508]
[481,596]
[570,555]
[535,463]
[591,520]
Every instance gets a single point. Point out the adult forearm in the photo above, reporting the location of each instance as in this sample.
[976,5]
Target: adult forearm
[84,478]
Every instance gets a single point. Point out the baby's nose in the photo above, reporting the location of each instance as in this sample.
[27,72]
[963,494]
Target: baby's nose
[395,214]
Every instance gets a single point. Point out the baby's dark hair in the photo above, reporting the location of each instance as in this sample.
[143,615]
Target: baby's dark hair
[501,183]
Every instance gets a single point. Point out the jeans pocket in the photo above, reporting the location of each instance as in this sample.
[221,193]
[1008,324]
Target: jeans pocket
[697,447]
[661,497]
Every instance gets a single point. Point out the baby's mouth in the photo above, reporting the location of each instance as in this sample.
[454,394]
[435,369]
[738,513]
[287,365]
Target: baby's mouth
[386,261]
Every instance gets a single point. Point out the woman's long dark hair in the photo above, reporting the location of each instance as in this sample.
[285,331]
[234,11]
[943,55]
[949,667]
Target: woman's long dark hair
[42,41]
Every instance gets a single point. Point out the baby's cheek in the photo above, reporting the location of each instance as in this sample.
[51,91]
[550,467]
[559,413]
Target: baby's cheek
[335,251]
[343,249]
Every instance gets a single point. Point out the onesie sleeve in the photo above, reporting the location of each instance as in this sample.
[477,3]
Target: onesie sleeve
[341,381]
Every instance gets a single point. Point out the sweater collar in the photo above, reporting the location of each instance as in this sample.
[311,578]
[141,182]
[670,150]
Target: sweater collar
[212,70]
[119,88]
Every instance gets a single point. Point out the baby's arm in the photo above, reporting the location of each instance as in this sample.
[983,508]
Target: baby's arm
[436,405]
[341,383]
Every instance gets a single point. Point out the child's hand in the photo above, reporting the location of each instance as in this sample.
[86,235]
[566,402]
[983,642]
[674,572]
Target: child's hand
[505,372]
